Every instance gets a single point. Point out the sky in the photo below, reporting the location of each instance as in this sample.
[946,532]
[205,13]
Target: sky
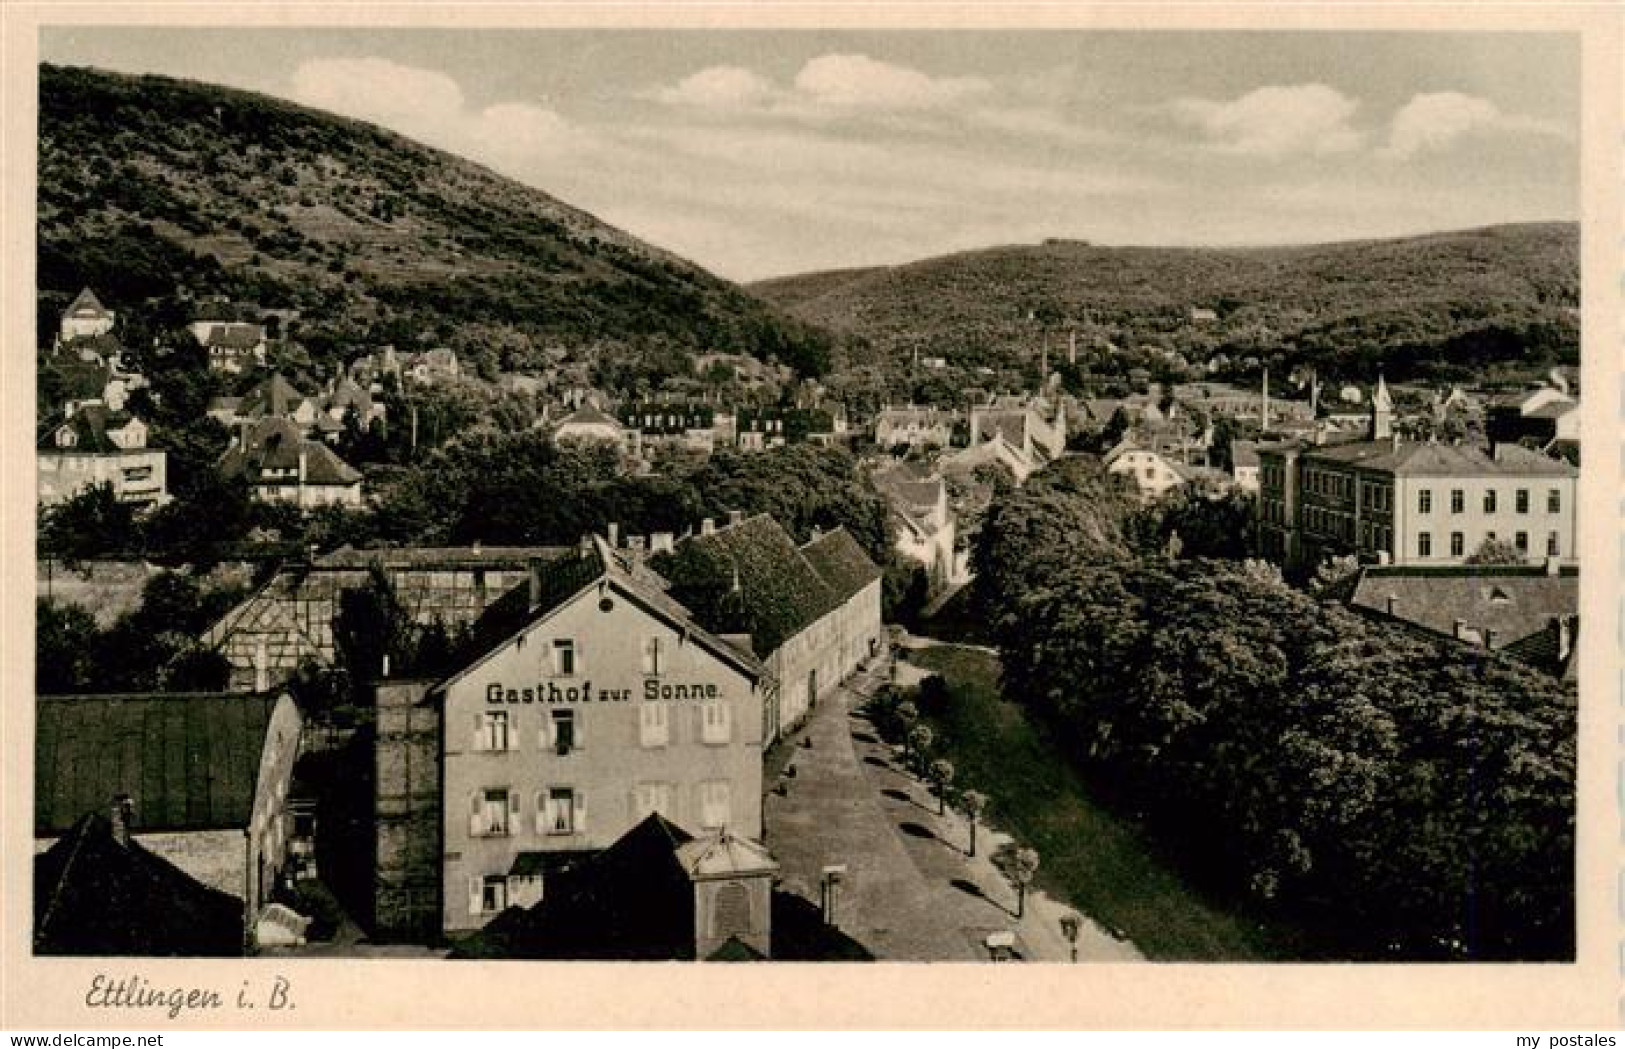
[760,154]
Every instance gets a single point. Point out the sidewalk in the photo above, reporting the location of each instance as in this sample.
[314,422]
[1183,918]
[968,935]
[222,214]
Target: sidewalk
[910,893]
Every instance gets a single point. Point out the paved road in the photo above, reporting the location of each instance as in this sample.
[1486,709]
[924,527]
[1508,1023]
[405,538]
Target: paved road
[911,892]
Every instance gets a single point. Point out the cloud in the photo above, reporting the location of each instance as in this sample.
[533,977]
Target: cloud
[721,87]
[858,82]
[826,87]
[1276,121]
[430,106]
[1435,121]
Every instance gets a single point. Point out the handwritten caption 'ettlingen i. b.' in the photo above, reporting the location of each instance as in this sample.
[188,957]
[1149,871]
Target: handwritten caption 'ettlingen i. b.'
[134,992]
[654,690]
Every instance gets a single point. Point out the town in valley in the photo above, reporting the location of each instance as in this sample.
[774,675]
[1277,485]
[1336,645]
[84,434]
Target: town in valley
[428,569]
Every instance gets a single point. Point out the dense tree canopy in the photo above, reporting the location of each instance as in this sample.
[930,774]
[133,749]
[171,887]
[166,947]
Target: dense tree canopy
[1410,797]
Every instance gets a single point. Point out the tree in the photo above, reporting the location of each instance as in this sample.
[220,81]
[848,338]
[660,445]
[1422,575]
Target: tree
[1023,868]
[64,636]
[919,741]
[1496,552]
[91,523]
[941,774]
[974,802]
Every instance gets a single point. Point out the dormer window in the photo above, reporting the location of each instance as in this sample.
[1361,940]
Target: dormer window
[65,438]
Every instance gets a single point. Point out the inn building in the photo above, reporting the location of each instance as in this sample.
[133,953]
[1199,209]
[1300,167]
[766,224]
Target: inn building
[1393,502]
[597,694]
[604,704]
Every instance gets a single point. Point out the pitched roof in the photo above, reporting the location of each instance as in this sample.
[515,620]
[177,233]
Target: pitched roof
[234,335]
[442,557]
[587,415]
[274,396]
[1440,460]
[1512,601]
[838,558]
[749,578]
[275,443]
[86,305]
[95,896]
[189,760]
[76,378]
[1011,424]
[90,424]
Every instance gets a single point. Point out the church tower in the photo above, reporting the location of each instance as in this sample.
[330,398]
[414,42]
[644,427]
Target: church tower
[1382,413]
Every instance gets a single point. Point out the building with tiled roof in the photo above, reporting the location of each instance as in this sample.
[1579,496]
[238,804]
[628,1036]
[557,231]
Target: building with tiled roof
[201,779]
[1399,502]
[86,317]
[1244,465]
[915,428]
[99,892]
[289,621]
[94,445]
[1538,416]
[749,577]
[598,700]
[924,528]
[280,465]
[1530,613]
[232,346]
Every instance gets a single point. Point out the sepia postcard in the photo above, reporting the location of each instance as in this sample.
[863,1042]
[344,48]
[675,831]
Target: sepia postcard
[1037,516]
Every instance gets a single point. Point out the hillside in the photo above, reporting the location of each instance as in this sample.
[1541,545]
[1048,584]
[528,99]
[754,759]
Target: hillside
[153,188]
[1442,305]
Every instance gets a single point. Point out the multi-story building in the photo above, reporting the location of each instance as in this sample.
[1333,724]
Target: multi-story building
[1411,503]
[600,702]
[94,445]
[914,428]
[281,465]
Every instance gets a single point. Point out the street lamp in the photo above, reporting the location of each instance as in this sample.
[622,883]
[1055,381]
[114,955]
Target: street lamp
[1070,924]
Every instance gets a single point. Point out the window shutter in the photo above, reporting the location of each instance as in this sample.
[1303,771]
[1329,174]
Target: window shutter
[514,826]
[476,894]
[541,811]
[513,730]
[479,733]
[580,826]
[724,723]
[476,818]
[581,727]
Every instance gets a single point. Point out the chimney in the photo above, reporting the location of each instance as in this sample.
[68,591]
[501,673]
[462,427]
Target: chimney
[536,564]
[303,465]
[1562,639]
[1393,603]
[736,517]
[708,526]
[1489,638]
[121,815]
[1459,630]
[475,546]
[1264,417]
[614,534]
[385,668]
[662,543]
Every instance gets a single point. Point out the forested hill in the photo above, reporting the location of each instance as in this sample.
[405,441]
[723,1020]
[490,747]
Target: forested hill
[150,186]
[1446,304]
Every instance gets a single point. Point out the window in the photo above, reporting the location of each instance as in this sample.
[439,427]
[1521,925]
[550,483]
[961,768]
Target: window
[1424,544]
[1489,537]
[1521,500]
[493,814]
[1553,548]
[654,725]
[1489,501]
[1521,541]
[1458,543]
[715,726]
[653,657]
[1458,500]
[1554,501]
[566,811]
[487,894]
[564,657]
[491,731]
[716,804]
[652,797]
[566,731]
